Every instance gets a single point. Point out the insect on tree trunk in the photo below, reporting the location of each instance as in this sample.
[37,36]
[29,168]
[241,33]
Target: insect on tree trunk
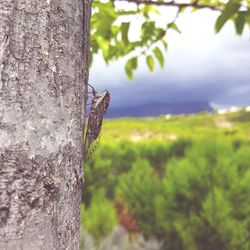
[44,47]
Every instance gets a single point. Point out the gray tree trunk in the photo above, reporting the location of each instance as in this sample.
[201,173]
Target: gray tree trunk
[44,46]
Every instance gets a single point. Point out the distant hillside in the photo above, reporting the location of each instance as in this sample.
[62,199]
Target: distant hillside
[156,109]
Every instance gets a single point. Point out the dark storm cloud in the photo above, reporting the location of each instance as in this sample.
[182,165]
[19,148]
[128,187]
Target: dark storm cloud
[214,89]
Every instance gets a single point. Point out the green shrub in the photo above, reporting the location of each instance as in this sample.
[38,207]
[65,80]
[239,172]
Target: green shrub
[199,201]
[109,161]
[156,152]
[241,116]
[100,218]
[178,148]
[138,188]
[190,194]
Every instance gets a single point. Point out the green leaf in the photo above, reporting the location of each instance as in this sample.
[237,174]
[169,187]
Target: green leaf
[174,27]
[240,23]
[160,33]
[147,30]
[159,56]
[103,26]
[131,65]
[150,62]
[147,9]
[165,44]
[134,62]
[106,9]
[230,10]
[104,45]
[124,29]
[182,9]
[129,72]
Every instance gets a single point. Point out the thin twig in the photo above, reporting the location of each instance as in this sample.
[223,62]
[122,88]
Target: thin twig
[173,4]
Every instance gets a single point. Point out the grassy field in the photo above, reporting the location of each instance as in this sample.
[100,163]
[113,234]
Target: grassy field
[181,126]
[182,181]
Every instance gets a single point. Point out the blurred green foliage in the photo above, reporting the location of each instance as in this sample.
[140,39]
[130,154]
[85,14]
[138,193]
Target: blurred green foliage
[185,180]
[100,217]
[111,24]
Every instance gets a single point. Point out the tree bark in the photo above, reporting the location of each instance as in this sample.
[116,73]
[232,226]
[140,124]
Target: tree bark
[44,47]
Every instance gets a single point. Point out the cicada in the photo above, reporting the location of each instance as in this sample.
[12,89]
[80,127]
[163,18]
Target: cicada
[94,119]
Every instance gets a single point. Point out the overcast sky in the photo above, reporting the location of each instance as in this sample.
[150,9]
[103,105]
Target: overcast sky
[199,66]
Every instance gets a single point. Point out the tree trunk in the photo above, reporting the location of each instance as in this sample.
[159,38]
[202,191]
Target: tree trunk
[44,48]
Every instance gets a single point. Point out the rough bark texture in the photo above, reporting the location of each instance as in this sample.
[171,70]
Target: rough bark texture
[44,49]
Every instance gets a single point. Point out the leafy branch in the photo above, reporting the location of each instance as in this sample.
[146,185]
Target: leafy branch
[110,34]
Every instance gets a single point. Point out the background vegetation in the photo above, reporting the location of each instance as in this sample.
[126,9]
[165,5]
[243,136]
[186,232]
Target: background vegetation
[183,181]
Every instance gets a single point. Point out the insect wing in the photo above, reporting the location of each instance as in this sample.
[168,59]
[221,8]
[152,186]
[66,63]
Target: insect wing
[98,109]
